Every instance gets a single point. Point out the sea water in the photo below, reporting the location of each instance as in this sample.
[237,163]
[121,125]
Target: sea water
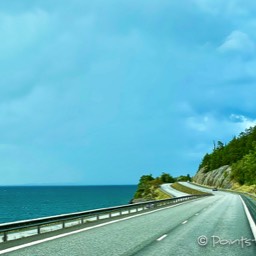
[29,202]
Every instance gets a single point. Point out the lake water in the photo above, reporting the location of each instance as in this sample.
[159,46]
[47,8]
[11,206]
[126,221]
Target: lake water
[22,203]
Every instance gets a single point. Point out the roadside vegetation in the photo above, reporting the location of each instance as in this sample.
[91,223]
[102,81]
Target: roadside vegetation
[187,190]
[239,153]
[161,195]
[245,189]
[148,187]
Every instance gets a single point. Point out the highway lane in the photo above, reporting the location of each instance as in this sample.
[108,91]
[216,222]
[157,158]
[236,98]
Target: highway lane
[193,186]
[221,224]
[173,192]
[170,231]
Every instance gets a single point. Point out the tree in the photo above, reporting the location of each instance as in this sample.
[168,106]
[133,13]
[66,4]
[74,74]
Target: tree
[243,171]
[220,145]
[231,153]
[144,186]
[240,153]
[166,178]
[184,178]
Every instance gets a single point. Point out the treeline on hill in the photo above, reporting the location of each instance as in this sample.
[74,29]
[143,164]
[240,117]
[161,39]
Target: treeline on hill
[148,184]
[239,153]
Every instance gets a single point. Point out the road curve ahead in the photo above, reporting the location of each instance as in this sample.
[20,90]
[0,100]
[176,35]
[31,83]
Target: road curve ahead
[193,186]
[214,225]
[171,191]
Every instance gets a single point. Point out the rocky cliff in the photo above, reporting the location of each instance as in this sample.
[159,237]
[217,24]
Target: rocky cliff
[217,178]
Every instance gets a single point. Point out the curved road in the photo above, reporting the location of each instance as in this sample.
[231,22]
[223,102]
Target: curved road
[171,191]
[175,230]
[191,185]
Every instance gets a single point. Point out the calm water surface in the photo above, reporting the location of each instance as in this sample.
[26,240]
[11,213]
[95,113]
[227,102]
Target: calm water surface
[21,203]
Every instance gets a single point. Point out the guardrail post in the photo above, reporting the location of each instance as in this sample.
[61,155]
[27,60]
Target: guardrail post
[38,230]
[5,237]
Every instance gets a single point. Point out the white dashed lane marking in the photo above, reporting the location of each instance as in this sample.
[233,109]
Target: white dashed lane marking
[161,238]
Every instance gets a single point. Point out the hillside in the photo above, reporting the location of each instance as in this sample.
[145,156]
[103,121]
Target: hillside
[228,166]
[233,163]
[220,177]
[149,187]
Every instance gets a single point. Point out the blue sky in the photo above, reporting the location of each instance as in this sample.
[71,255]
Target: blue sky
[102,92]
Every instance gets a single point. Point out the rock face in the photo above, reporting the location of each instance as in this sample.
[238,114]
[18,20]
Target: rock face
[217,178]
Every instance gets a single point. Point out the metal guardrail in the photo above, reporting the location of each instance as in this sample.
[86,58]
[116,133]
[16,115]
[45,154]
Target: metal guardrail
[251,205]
[253,196]
[20,229]
[248,198]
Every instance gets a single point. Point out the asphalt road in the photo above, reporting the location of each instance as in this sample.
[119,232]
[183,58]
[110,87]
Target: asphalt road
[191,185]
[170,231]
[168,189]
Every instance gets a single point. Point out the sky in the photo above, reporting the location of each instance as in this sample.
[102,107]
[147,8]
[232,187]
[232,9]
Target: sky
[103,92]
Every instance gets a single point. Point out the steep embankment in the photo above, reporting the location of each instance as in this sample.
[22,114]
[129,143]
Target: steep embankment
[231,165]
[149,188]
[220,177]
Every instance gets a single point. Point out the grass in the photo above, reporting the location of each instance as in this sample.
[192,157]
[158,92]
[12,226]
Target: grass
[236,188]
[161,195]
[245,189]
[187,190]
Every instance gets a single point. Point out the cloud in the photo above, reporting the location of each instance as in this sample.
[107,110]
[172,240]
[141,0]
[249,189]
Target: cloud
[198,124]
[109,89]
[208,128]
[19,34]
[242,121]
[229,8]
[238,43]
[20,31]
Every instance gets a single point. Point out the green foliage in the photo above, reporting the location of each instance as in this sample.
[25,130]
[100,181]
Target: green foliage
[244,171]
[166,178]
[148,185]
[184,178]
[240,153]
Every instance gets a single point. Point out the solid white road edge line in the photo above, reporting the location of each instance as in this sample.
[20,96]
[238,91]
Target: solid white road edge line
[161,238]
[84,229]
[249,217]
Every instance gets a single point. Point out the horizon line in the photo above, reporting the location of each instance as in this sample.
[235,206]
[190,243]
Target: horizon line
[61,185]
